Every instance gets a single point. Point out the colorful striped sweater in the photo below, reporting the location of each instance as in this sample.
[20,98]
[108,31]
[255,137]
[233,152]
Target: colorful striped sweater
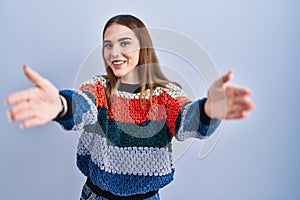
[126,148]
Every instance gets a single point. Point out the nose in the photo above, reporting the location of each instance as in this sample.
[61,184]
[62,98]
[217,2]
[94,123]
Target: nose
[116,52]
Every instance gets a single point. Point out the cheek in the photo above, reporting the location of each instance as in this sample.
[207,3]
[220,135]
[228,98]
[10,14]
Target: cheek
[132,52]
[134,56]
[106,56]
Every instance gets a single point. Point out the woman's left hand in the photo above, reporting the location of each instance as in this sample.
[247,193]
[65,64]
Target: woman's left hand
[225,101]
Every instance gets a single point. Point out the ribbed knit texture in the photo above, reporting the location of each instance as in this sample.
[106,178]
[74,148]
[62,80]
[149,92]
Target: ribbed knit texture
[126,148]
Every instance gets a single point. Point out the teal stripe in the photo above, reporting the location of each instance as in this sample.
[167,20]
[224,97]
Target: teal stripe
[90,96]
[121,134]
[117,137]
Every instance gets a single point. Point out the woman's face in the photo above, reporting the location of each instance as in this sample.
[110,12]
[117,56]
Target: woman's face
[121,52]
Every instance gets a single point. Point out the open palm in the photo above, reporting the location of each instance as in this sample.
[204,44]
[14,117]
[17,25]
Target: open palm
[37,105]
[226,101]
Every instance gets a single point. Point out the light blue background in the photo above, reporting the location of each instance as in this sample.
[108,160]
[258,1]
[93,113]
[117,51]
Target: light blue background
[256,158]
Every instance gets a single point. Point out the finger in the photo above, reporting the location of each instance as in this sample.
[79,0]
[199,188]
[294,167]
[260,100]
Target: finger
[16,109]
[21,111]
[245,103]
[227,77]
[23,115]
[239,107]
[238,91]
[236,115]
[33,76]
[23,95]
[32,122]
[241,99]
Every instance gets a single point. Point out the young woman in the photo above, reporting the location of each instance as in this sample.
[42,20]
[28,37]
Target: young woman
[128,117]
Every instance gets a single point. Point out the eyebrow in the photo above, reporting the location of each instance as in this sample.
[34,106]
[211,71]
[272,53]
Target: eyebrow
[121,39]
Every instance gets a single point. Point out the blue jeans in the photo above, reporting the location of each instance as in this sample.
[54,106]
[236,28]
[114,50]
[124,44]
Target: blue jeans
[87,194]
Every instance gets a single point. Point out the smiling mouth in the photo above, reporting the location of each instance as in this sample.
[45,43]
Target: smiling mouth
[118,63]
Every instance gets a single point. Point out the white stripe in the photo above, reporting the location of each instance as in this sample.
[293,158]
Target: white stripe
[94,80]
[125,160]
[171,89]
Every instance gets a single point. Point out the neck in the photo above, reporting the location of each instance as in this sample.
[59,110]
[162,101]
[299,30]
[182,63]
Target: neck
[131,77]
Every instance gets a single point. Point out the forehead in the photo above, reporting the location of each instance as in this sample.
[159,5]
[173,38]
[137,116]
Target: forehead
[116,31]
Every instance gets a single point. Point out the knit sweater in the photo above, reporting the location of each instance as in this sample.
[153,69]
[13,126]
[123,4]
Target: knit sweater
[125,148]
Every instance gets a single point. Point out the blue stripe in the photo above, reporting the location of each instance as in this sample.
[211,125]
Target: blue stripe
[120,184]
[79,106]
[191,121]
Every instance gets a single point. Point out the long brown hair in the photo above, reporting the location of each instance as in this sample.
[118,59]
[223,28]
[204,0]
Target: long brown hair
[149,70]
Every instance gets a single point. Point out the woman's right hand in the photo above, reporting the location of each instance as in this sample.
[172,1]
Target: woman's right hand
[37,105]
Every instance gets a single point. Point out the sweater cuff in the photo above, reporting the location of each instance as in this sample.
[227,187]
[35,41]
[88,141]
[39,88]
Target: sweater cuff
[203,116]
[69,113]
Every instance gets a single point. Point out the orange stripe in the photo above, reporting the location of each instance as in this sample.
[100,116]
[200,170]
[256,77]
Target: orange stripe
[98,90]
[131,111]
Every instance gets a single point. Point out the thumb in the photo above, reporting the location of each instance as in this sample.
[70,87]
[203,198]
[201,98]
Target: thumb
[32,75]
[227,77]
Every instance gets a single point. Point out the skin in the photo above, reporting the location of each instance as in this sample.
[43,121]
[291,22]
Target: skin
[227,101]
[41,103]
[121,45]
[37,105]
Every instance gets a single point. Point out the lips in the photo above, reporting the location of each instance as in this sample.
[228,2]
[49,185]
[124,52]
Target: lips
[118,63]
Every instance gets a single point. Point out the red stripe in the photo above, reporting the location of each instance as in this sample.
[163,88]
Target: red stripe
[98,90]
[131,111]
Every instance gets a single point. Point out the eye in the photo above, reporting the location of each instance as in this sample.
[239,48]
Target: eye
[107,45]
[125,43]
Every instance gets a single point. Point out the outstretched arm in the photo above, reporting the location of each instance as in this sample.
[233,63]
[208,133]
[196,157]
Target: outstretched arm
[226,101]
[37,105]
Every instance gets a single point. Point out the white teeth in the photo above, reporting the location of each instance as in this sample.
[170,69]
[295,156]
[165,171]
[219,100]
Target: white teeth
[118,62]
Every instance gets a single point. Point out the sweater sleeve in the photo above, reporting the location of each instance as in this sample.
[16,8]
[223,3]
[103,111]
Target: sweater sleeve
[83,103]
[192,122]
[189,119]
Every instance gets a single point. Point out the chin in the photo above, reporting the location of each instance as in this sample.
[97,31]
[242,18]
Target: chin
[118,74]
